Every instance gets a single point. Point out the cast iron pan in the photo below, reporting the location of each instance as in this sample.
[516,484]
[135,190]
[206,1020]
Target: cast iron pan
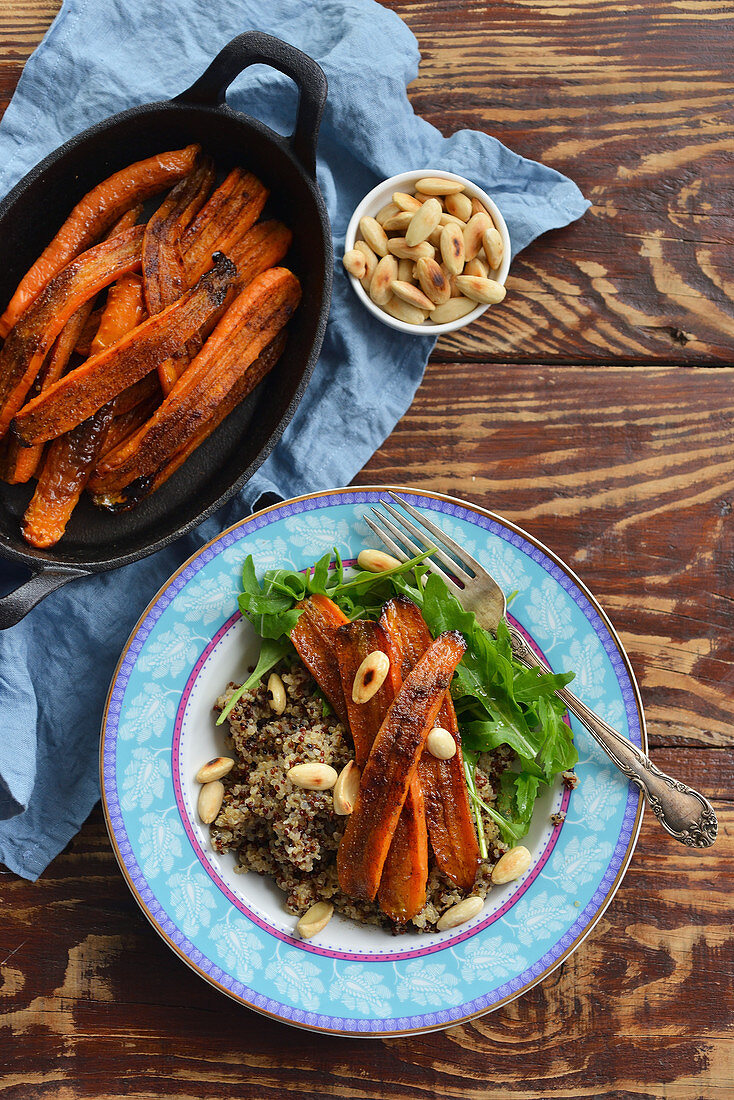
[96,541]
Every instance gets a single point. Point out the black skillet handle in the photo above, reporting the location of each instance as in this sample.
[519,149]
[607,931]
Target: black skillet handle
[16,605]
[254,48]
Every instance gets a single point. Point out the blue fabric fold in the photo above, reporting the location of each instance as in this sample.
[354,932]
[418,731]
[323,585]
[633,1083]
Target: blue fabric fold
[100,57]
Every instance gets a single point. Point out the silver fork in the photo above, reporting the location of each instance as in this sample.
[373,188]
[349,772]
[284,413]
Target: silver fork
[682,812]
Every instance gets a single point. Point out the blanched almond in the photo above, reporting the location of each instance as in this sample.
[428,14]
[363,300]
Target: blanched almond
[399,309]
[422,198]
[276,691]
[405,201]
[432,185]
[423,222]
[493,247]
[384,275]
[410,293]
[371,263]
[313,776]
[460,205]
[441,744]
[452,310]
[405,270]
[399,222]
[355,263]
[346,789]
[476,267]
[369,677]
[374,234]
[387,212]
[474,232]
[451,219]
[480,290]
[511,865]
[376,561]
[399,247]
[214,769]
[433,281]
[460,913]
[210,801]
[434,238]
[478,207]
[455,292]
[452,248]
[315,919]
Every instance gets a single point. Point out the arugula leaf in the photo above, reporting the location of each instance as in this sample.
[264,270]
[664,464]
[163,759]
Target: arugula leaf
[270,653]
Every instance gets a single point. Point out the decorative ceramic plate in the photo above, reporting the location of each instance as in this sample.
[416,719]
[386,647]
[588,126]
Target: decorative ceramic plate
[233,929]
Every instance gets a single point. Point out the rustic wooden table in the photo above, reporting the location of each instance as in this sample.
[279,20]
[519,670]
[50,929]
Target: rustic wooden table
[596,408]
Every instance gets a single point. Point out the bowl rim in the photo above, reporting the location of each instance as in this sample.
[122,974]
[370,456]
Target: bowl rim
[370,203]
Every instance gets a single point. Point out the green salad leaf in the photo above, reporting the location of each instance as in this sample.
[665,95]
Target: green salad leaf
[498,701]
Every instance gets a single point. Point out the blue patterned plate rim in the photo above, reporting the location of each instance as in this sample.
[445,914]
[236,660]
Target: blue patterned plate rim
[361,1026]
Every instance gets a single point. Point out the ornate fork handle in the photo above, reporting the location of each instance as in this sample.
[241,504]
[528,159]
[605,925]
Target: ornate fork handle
[682,812]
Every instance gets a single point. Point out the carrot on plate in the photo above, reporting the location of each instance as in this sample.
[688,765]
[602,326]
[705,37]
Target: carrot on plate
[391,766]
[93,216]
[448,812]
[313,637]
[79,394]
[402,891]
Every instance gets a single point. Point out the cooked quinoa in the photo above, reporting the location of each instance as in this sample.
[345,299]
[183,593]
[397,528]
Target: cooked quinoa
[292,834]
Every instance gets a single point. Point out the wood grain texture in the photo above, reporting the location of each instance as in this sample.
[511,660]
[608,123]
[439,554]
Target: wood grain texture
[584,409]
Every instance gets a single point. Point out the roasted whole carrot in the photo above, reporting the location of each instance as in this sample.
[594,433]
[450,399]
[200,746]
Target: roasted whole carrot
[125,310]
[133,493]
[23,352]
[20,463]
[70,459]
[79,394]
[263,246]
[248,326]
[402,891]
[391,766]
[313,637]
[93,216]
[449,815]
[229,223]
[164,275]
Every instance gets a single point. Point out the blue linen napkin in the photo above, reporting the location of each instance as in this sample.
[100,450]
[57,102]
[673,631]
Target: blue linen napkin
[100,57]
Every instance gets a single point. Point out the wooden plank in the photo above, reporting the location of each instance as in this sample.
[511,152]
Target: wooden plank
[627,475]
[94,996]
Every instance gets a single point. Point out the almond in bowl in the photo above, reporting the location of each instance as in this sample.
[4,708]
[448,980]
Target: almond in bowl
[427,252]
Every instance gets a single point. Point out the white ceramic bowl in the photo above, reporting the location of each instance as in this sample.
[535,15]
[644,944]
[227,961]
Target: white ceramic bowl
[378,197]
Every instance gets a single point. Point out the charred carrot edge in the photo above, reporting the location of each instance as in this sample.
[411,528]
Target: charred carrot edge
[134,493]
[402,891]
[248,326]
[70,460]
[79,394]
[19,463]
[232,220]
[263,246]
[391,766]
[23,351]
[93,216]
[448,812]
[313,637]
[125,310]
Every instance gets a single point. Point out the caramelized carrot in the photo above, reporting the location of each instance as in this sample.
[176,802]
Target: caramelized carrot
[232,219]
[448,812]
[248,326]
[20,463]
[404,876]
[133,493]
[125,310]
[313,637]
[93,216]
[83,391]
[70,459]
[392,763]
[263,246]
[211,208]
[125,424]
[25,348]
